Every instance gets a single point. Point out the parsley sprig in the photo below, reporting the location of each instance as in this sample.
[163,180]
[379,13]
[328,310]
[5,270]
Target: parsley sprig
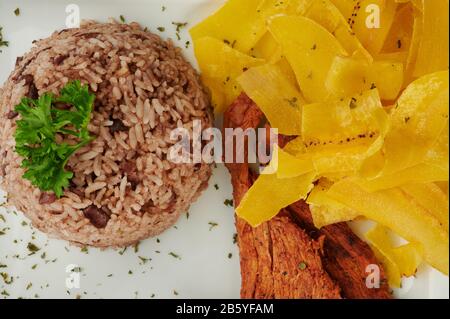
[44,158]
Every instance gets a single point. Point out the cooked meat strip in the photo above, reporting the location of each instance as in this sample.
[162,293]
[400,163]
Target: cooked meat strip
[279,260]
[272,253]
[245,114]
[264,249]
[346,256]
[256,261]
[297,264]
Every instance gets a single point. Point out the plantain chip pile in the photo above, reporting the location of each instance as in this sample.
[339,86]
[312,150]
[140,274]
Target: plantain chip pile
[363,87]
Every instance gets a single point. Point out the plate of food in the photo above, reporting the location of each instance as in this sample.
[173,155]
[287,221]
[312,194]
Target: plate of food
[256,149]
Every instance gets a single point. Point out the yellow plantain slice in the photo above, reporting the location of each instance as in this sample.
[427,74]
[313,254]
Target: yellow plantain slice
[221,65]
[278,193]
[392,209]
[238,23]
[279,100]
[310,50]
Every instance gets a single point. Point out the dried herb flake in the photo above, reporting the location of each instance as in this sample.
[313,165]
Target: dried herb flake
[212,225]
[228,202]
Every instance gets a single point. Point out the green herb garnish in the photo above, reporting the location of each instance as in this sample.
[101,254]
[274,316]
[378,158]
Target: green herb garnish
[174,255]
[144,259]
[123,251]
[136,247]
[302,266]
[77,269]
[7,278]
[228,202]
[179,25]
[33,248]
[122,18]
[2,43]
[4,293]
[235,238]
[212,225]
[17,12]
[292,102]
[44,158]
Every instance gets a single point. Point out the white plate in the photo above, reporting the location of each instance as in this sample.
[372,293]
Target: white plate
[204,269]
